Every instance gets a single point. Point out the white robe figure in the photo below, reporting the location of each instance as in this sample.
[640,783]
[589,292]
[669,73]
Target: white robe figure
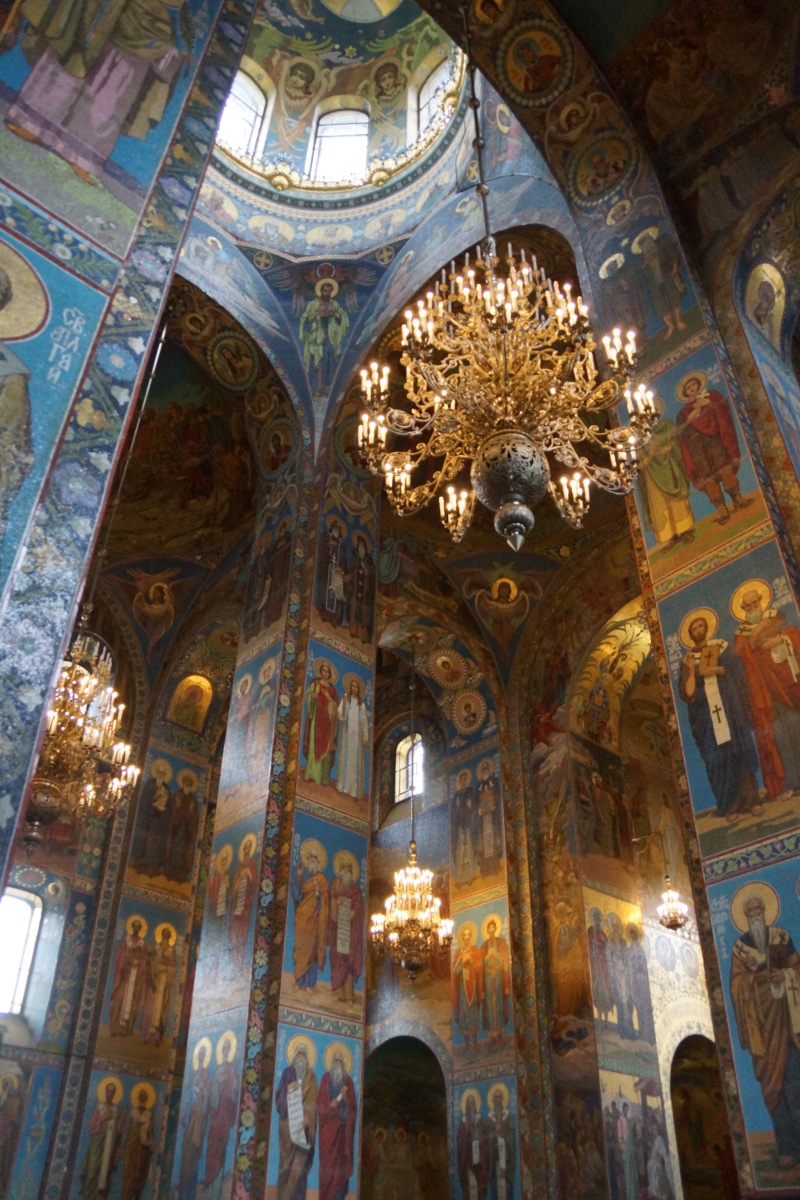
[353,740]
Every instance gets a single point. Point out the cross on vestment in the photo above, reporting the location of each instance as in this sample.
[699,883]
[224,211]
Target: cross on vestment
[717,711]
[792,988]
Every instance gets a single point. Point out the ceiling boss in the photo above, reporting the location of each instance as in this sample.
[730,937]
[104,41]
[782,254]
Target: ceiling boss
[501,375]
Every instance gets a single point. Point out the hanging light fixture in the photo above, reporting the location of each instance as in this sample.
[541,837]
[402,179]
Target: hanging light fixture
[673,914]
[412,929]
[84,766]
[501,375]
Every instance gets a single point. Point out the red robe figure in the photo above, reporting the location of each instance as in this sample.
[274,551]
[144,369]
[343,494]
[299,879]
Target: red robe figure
[346,929]
[709,444]
[222,1118]
[336,1117]
[769,648]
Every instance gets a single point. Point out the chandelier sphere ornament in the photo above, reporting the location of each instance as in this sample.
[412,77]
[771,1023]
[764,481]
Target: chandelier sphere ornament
[501,380]
[412,928]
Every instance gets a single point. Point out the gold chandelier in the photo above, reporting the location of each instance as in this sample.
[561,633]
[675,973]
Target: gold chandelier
[84,765]
[673,913]
[412,928]
[501,375]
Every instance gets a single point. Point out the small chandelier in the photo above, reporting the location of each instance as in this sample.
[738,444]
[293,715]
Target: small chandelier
[500,374]
[672,912]
[412,929]
[84,765]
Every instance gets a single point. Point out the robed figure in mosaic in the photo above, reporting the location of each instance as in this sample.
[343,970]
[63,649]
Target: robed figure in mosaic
[714,689]
[322,725]
[472,1151]
[100,69]
[346,927]
[102,1152]
[467,983]
[296,1102]
[496,981]
[337,1112]
[765,989]
[309,888]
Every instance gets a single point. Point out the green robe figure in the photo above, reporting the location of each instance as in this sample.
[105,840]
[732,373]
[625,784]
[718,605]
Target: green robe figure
[323,327]
[664,486]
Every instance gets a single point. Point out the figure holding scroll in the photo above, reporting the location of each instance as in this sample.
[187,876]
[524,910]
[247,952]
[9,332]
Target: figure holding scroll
[296,1102]
[713,686]
[346,927]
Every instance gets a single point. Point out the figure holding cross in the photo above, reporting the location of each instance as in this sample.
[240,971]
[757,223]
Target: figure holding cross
[714,688]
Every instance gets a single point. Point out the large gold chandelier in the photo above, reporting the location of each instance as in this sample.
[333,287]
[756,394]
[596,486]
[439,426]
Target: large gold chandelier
[412,929]
[501,375]
[84,765]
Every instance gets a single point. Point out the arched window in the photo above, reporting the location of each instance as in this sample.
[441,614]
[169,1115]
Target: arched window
[243,125]
[408,768]
[428,104]
[20,918]
[341,143]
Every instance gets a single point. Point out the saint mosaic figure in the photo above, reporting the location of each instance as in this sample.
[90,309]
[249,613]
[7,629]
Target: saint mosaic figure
[496,1005]
[223,1111]
[467,983]
[501,1138]
[709,443]
[296,1102]
[664,485]
[16,448]
[321,728]
[131,978]
[768,647]
[194,1120]
[490,819]
[323,327]
[472,1155]
[137,1152]
[713,687]
[765,990]
[346,927]
[332,601]
[337,1113]
[105,1135]
[354,738]
[163,967]
[243,891]
[359,591]
[309,889]
[465,830]
[597,939]
[105,72]
[617,959]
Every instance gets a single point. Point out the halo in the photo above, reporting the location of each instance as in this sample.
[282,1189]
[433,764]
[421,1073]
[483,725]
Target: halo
[173,933]
[224,857]
[250,840]
[346,1055]
[319,285]
[294,1045]
[263,672]
[230,1038]
[502,1089]
[464,771]
[452,677]
[136,917]
[758,585]
[27,311]
[143,1086]
[194,782]
[467,925]
[573,106]
[476,1096]
[103,1084]
[636,244]
[203,1044]
[345,856]
[312,844]
[483,763]
[619,259]
[701,375]
[498,920]
[318,667]
[708,614]
[504,579]
[658,405]
[358,534]
[348,679]
[334,519]
[162,765]
[618,212]
[772,905]
[240,688]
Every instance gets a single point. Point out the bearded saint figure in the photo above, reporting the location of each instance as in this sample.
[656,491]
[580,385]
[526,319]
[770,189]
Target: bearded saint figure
[336,1113]
[297,1125]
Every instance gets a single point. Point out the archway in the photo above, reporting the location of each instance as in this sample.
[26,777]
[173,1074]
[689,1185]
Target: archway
[705,1150]
[404,1143]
